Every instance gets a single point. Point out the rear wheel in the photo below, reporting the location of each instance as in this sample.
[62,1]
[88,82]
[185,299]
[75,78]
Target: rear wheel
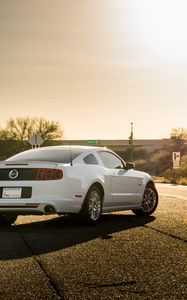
[149,202]
[7,219]
[92,206]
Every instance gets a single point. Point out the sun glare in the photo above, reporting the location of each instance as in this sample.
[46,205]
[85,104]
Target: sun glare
[161,26]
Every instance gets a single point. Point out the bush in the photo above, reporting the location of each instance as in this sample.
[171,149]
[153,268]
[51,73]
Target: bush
[170,175]
[183,167]
[140,164]
[161,160]
[177,175]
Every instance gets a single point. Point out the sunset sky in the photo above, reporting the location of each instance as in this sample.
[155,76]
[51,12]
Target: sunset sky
[95,65]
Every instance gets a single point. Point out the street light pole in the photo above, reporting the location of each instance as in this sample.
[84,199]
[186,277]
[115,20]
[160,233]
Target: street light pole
[131,143]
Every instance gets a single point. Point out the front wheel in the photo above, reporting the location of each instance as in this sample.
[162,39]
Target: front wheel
[149,202]
[92,206]
[7,219]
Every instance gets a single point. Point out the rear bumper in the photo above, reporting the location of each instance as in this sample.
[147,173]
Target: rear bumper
[45,198]
[40,207]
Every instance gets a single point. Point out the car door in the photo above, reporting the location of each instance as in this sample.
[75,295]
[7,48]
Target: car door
[125,187]
[124,184]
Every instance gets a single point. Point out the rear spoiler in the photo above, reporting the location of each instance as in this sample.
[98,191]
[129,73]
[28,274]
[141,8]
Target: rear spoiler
[25,163]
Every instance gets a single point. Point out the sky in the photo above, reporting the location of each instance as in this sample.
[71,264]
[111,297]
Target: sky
[95,66]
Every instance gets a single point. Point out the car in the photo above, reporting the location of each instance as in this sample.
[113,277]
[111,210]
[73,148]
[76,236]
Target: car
[83,180]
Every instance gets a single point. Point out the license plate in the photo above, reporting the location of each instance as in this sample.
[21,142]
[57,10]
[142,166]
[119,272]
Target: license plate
[11,193]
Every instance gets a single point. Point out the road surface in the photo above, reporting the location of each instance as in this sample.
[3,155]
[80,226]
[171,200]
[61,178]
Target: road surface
[123,257]
[172,190]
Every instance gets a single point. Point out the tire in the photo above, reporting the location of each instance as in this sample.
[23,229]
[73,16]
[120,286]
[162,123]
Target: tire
[7,219]
[149,202]
[92,207]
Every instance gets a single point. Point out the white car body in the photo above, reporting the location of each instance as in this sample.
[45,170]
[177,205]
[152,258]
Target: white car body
[122,188]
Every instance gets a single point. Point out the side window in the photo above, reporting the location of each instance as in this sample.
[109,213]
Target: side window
[110,160]
[90,159]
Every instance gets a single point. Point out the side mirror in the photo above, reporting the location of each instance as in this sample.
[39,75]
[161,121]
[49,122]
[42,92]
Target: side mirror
[130,165]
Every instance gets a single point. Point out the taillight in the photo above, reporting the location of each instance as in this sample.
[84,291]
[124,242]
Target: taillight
[49,174]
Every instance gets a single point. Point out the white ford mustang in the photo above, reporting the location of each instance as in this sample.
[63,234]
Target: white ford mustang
[72,179]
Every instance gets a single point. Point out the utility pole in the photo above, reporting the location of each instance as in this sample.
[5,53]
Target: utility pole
[131,143]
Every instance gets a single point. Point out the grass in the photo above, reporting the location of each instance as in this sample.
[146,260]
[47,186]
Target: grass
[182,180]
[160,179]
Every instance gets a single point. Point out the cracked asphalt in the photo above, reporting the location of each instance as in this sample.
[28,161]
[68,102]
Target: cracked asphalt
[122,257]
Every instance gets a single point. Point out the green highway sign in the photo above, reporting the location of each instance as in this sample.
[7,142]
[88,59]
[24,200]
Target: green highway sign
[93,142]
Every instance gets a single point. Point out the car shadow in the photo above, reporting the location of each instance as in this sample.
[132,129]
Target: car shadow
[26,240]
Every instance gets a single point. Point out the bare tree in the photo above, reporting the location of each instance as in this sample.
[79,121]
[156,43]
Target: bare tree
[22,129]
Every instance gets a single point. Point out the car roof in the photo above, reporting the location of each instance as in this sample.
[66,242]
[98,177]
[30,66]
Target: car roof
[78,150]
[77,147]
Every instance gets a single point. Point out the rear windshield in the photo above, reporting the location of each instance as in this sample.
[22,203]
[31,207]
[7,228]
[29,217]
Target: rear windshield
[50,155]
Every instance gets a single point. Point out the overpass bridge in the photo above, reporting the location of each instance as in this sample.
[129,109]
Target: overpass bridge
[119,145]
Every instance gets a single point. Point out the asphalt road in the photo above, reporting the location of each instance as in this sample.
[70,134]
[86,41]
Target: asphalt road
[123,257]
[173,190]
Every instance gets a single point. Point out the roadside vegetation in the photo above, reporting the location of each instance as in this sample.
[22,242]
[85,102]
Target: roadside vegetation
[14,138]
[159,163]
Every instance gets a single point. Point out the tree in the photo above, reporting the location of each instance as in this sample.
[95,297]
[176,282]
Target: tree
[178,137]
[14,136]
[21,129]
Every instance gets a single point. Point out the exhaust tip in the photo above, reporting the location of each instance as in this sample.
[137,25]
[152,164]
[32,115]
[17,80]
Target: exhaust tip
[49,209]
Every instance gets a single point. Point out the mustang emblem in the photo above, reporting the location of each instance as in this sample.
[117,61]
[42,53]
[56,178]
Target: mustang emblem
[13,174]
